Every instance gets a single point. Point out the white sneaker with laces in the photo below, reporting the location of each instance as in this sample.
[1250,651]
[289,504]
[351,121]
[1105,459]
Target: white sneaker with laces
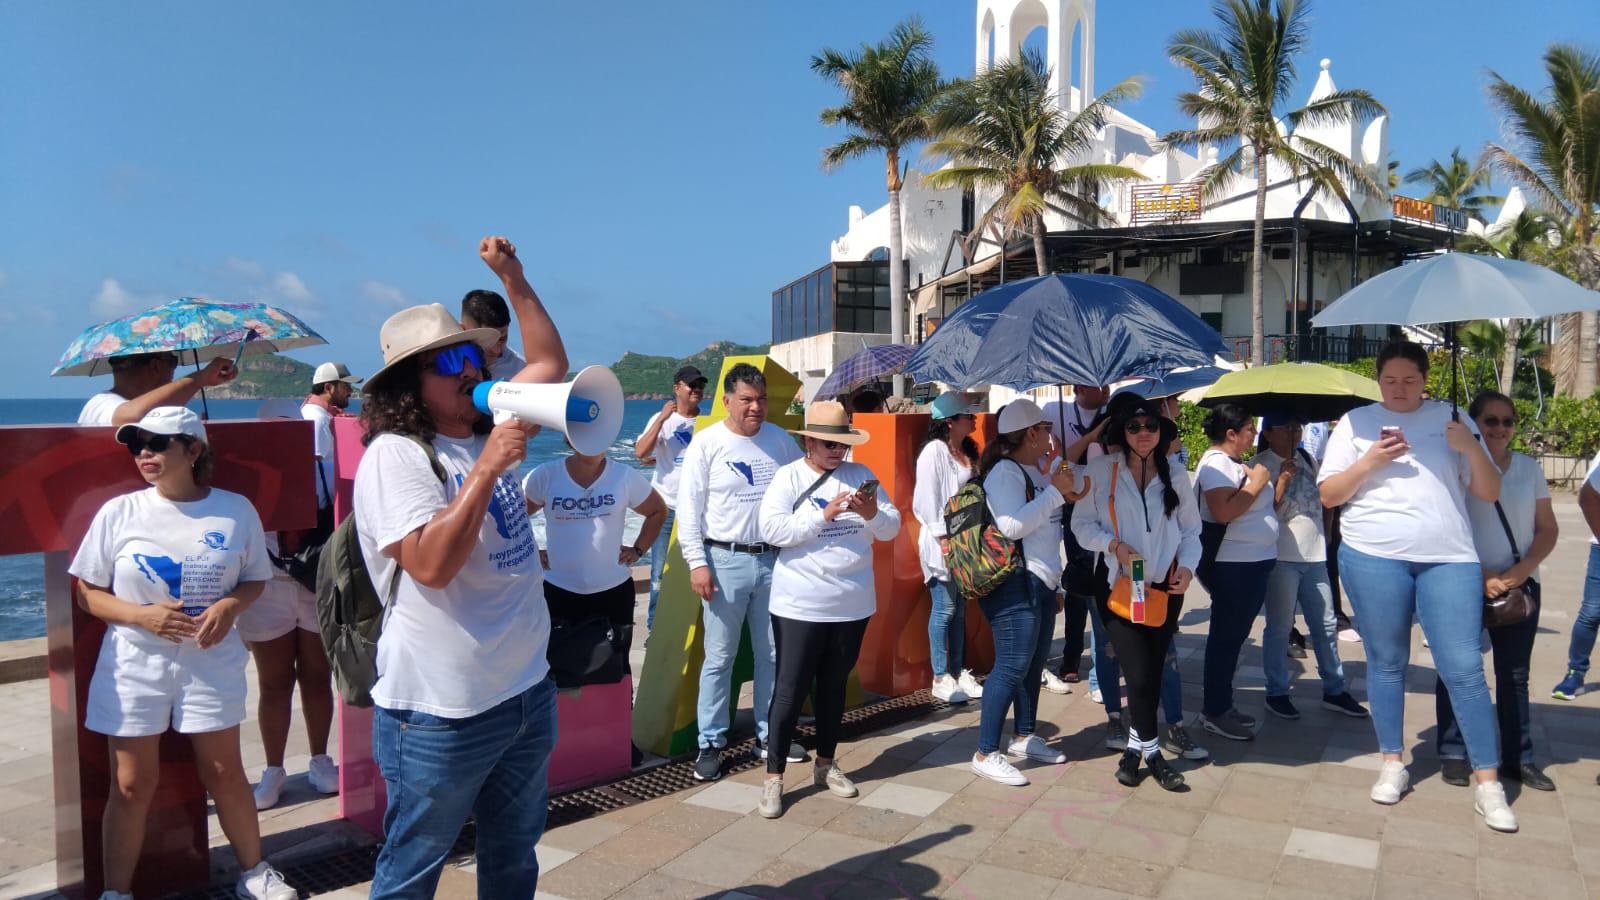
[1392,782]
[1054,683]
[1490,803]
[323,774]
[1096,697]
[969,685]
[834,779]
[771,798]
[264,883]
[947,689]
[270,787]
[1034,747]
[996,767]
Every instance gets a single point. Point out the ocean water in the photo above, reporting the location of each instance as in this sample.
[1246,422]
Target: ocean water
[22,577]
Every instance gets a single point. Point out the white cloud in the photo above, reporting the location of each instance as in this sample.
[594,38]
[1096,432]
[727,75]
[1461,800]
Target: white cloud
[244,268]
[114,300]
[385,294]
[291,288]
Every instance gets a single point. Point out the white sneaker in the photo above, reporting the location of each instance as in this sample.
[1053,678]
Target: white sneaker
[1034,747]
[771,805]
[1054,683]
[323,775]
[969,685]
[996,767]
[264,883]
[1350,635]
[1392,781]
[1096,697]
[270,787]
[1491,804]
[834,779]
[947,689]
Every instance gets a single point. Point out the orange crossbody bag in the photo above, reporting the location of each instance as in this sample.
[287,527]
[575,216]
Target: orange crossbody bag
[1121,603]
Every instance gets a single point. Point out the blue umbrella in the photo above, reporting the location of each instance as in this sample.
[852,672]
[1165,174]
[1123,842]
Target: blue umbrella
[196,330]
[1065,329]
[1176,383]
[871,364]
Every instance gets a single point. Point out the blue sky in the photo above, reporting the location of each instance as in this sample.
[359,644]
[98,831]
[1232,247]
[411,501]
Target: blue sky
[656,163]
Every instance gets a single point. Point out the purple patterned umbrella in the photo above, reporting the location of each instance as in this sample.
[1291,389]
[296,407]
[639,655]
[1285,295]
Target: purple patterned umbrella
[871,364]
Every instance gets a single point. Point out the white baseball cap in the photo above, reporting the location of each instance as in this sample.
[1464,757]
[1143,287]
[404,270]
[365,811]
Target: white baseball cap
[173,420]
[333,371]
[1019,414]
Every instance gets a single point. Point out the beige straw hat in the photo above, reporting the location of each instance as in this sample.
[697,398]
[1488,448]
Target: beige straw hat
[423,328]
[826,421]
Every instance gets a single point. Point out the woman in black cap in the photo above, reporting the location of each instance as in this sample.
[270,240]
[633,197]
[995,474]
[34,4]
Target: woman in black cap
[1135,511]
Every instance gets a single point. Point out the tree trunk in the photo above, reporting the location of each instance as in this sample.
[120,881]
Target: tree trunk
[1508,362]
[1040,262]
[897,273]
[1588,272]
[1258,329]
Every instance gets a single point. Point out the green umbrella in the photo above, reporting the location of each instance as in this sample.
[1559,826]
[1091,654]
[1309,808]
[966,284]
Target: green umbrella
[1315,392]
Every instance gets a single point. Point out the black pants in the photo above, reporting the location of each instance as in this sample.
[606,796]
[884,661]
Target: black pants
[616,604]
[1512,646]
[825,651]
[1331,539]
[1075,612]
[1142,651]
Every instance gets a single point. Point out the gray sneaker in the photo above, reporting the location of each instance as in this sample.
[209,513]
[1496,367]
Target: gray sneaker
[771,798]
[1226,726]
[834,779]
[1241,718]
[1178,742]
[708,765]
[1116,735]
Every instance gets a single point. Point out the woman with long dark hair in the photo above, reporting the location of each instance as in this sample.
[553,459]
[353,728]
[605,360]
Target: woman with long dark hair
[1026,507]
[1136,510]
[944,464]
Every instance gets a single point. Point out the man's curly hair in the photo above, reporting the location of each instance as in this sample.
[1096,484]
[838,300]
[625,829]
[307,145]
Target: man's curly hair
[394,405]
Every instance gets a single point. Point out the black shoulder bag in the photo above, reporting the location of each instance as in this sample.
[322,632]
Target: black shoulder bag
[1518,604]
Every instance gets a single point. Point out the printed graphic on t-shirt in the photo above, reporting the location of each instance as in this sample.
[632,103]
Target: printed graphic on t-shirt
[509,510]
[196,580]
[745,471]
[684,435]
[588,506]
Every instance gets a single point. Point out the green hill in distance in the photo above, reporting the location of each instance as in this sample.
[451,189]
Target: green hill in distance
[650,377]
[267,376]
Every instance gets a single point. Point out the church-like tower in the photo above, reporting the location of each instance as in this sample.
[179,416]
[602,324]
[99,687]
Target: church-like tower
[1004,24]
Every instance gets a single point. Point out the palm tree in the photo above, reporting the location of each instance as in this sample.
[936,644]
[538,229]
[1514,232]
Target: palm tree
[1005,132]
[889,92]
[1553,153]
[1245,71]
[1517,339]
[1457,184]
[1529,237]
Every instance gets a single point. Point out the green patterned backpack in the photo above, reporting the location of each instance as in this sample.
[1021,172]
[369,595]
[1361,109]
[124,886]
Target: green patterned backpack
[980,557]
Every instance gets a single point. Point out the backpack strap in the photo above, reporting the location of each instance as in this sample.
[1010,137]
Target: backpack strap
[439,473]
[1510,538]
[809,491]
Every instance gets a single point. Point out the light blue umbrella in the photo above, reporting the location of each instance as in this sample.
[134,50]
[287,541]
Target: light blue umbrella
[1458,287]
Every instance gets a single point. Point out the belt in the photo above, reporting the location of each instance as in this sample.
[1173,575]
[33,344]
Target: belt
[736,547]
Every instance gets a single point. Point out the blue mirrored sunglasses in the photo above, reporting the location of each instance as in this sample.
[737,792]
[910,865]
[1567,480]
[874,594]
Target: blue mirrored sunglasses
[453,360]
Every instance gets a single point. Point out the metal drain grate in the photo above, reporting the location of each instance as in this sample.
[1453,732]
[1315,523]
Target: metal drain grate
[350,867]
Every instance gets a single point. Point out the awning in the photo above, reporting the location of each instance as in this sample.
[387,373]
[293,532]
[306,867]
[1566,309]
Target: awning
[927,296]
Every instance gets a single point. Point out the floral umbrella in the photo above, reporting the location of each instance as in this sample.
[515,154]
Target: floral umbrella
[196,329]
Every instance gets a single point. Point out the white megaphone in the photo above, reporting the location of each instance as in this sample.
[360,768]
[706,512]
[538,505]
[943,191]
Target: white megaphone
[587,409]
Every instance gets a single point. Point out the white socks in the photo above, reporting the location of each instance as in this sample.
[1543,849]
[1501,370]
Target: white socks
[1145,748]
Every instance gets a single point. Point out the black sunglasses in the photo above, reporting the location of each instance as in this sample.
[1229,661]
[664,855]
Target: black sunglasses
[1137,427]
[833,445]
[158,443]
[1496,421]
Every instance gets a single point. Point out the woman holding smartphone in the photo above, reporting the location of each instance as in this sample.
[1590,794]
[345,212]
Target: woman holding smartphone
[823,514]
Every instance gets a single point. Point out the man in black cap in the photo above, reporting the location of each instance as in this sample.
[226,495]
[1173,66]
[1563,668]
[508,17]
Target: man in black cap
[663,443]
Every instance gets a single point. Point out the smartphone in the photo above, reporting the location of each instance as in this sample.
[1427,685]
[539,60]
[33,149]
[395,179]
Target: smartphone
[1389,431]
[868,488]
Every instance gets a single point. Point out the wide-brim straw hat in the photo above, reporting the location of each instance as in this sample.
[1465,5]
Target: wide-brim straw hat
[423,328]
[826,421]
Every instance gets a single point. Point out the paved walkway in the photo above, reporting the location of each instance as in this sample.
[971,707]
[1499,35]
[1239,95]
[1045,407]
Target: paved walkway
[1284,815]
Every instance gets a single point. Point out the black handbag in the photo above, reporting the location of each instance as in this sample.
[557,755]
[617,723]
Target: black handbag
[1519,604]
[584,652]
[305,554]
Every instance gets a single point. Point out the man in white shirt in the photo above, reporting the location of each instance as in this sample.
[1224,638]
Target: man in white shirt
[662,445]
[725,473]
[1079,424]
[487,309]
[1587,623]
[143,381]
[331,388]
[465,715]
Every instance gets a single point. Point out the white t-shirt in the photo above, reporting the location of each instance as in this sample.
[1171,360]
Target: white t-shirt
[99,409]
[509,363]
[459,650]
[1069,422]
[1036,523]
[584,525]
[322,444]
[1414,508]
[1253,537]
[1522,486]
[939,475]
[720,485]
[824,569]
[676,435]
[1593,481]
[148,549]
[1300,535]
[1315,439]
[1142,521]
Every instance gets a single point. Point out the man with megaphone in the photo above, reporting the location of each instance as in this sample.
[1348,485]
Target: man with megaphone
[465,716]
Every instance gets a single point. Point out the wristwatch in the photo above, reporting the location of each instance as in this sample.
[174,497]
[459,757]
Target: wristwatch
[635,549]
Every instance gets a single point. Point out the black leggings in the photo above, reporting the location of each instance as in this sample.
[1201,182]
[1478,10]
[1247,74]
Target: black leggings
[616,604]
[1142,651]
[825,651]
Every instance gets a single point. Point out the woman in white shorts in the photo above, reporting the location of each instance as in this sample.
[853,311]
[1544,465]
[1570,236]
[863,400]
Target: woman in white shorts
[169,569]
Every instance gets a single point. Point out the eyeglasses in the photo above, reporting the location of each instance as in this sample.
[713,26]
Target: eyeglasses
[833,445]
[158,443]
[1497,422]
[1137,427]
[453,360]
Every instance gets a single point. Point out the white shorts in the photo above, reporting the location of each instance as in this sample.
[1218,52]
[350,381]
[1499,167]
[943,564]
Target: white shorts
[140,688]
[283,606]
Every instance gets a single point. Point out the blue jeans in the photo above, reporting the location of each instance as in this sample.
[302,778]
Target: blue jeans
[1022,618]
[494,766]
[1110,686]
[1237,589]
[1447,598]
[1306,584]
[1513,649]
[741,588]
[658,561]
[947,629]
[1587,624]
